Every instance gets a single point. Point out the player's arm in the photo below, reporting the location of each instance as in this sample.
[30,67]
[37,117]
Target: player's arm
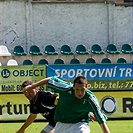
[28,122]
[96,109]
[54,83]
[39,83]
[100,117]
[105,128]
[59,85]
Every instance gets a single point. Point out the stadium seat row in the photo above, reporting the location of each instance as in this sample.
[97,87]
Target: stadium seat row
[66,50]
[13,62]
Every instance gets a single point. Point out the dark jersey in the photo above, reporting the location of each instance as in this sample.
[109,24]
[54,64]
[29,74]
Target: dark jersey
[44,105]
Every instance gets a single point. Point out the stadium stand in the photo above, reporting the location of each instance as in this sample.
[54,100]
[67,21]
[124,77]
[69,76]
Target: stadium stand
[81,49]
[12,62]
[43,62]
[106,60]
[96,49]
[112,49]
[90,61]
[19,50]
[121,60]
[128,1]
[50,50]
[35,50]
[4,51]
[59,61]
[66,50]
[27,62]
[74,61]
[127,49]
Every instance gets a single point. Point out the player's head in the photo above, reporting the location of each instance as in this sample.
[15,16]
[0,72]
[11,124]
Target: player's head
[80,86]
[30,94]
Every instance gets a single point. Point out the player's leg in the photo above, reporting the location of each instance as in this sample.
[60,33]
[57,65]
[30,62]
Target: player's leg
[48,129]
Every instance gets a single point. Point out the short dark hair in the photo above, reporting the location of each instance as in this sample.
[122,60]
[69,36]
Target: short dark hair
[26,83]
[80,80]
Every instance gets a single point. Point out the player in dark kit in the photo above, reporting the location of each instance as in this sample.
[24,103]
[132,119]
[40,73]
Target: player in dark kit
[43,102]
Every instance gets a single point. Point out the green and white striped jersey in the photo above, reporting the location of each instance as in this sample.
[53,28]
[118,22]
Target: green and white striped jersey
[71,109]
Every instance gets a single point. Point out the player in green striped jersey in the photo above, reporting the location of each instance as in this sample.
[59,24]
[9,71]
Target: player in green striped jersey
[74,106]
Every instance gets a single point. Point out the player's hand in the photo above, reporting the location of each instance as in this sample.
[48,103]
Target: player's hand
[92,117]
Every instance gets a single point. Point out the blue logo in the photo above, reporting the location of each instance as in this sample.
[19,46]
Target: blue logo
[5,73]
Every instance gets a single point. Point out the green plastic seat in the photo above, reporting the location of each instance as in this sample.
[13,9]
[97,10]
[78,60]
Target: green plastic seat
[74,61]
[43,62]
[121,60]
[27,62]
[19,50]
[90,60]
[50,50]
[34,50]
[81,49]
[59,61]
[127,49]
[106,60]
[112,49]
[66,50]
[96,49]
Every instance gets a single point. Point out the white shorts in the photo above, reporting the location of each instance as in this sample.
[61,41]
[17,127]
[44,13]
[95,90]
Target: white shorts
[80,127]
[48,128]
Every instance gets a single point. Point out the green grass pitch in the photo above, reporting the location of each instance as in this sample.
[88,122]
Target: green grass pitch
[115,126]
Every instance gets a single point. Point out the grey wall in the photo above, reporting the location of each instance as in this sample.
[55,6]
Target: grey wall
[26,23]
